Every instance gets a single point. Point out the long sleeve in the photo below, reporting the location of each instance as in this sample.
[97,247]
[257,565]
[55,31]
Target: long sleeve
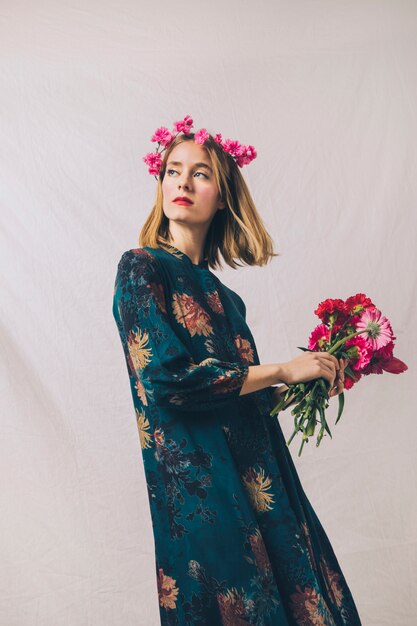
[156,354]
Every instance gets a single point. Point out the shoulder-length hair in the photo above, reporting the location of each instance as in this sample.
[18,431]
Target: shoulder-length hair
[237,231]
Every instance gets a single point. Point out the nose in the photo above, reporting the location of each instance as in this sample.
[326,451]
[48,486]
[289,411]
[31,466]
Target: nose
[183,182]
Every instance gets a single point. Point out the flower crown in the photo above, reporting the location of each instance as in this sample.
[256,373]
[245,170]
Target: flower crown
[240,153]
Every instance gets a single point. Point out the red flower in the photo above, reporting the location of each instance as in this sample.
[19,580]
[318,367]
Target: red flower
[356,304]
[349,382]
[332,310]
[383,360]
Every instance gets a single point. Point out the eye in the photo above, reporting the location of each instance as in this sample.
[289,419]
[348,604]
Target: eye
[172,170]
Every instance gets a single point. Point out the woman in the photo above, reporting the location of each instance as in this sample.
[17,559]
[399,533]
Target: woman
[236,539]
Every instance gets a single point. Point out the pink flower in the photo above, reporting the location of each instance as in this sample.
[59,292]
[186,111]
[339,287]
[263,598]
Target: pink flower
[319,336]
[359,351]
[184,126]
[241,154]
[154,160]
[233,147]
[248,154]
[201,136]
[377,326]
[163,136]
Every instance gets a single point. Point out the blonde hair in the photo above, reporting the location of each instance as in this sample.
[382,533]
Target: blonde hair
[237,231]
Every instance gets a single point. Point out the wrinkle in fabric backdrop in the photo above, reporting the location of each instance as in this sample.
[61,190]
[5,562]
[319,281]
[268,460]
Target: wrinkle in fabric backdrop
[326,93]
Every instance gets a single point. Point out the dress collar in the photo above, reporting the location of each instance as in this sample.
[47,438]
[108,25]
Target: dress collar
[182,256]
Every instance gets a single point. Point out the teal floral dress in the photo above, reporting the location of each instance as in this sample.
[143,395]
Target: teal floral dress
[237,542]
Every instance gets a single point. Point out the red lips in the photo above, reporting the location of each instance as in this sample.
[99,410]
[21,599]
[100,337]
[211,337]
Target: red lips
[182,200]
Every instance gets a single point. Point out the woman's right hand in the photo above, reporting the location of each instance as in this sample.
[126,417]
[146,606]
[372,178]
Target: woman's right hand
[309,366]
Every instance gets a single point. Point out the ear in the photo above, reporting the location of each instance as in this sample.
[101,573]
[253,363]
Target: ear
[222,204]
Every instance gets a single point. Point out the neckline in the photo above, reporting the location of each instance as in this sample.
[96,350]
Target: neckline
[175,251]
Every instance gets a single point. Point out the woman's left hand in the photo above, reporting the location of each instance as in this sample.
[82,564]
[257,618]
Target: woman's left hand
[337,388]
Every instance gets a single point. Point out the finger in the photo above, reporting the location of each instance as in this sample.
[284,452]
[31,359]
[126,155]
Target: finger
[336,389]
[328,372]
[333,372]
[340,377]
[331,359]
[333,362]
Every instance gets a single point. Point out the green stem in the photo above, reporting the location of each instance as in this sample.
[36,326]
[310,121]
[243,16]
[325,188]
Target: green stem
[342,341]
[292,436]
[301,447]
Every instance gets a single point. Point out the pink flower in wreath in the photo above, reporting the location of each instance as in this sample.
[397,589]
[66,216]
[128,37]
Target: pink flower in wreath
[184,126]
[163,136]
[201,136]
[154,161]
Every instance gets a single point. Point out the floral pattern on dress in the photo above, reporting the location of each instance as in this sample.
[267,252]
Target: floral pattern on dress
[191,315]
[167,591]
[244,349]
[214,302]
[332,579]
[309,608]
[184,482]
[143,428]
[258,485]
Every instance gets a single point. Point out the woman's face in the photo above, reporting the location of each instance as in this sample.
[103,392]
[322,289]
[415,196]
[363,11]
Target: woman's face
[188,173]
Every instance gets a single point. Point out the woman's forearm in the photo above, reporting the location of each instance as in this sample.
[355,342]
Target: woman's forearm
[261,376]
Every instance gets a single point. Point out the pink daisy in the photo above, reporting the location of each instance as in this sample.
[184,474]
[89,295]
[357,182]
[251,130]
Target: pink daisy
[377,326]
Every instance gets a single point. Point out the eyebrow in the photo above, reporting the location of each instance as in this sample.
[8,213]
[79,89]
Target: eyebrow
[200,164]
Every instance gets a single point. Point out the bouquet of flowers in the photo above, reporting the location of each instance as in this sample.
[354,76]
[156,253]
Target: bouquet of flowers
[352,329]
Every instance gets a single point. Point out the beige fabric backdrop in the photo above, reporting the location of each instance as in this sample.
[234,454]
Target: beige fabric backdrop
[326,91]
